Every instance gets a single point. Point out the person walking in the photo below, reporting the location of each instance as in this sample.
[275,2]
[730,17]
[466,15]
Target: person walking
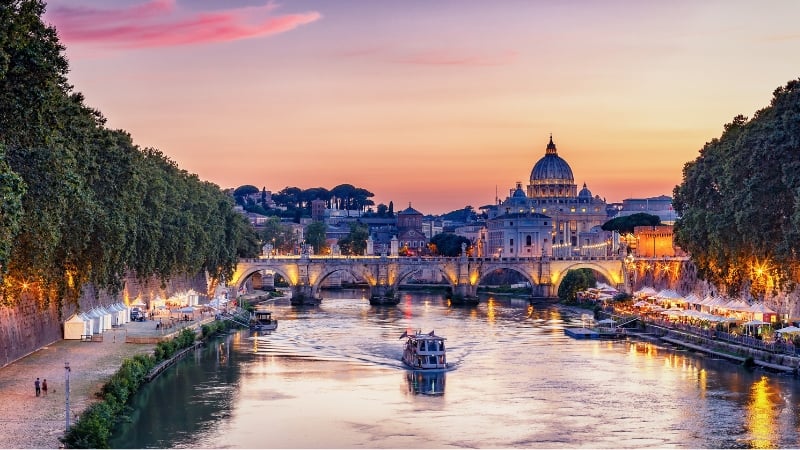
[38,387]
[44,387]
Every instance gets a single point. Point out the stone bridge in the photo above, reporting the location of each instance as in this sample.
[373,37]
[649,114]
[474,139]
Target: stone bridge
[383,274]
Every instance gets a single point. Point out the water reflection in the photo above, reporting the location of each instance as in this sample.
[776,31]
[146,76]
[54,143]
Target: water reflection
[337,366]
[761,415]
[425,383]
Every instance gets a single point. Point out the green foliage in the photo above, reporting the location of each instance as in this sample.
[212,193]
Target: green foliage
[245,190]
[12,189]
[93,429]
[625,224]
[83,204]
[279,235]
[315,235]
[213,328]
[355,243]
[739,202]
[574,281]
[449,244]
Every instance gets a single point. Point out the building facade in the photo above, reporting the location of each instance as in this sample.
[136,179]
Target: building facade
[574,217]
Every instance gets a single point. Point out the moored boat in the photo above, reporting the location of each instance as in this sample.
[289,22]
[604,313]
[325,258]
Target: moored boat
[261,320]
[424,351]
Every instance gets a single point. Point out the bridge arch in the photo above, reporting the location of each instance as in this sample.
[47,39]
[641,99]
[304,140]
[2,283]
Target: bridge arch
[405,273]
[240,278]
[489,269]
[558,274]
[317,285]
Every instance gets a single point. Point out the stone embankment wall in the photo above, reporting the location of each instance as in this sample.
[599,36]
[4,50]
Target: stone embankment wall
[31,324]
[779,361]
[682,278]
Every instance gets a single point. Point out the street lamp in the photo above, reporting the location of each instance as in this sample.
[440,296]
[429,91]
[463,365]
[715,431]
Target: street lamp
[67,370]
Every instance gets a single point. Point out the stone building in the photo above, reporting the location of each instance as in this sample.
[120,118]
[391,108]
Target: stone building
[574,217]
[409,231]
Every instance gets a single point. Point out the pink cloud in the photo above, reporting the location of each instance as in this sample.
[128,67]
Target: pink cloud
[159,23]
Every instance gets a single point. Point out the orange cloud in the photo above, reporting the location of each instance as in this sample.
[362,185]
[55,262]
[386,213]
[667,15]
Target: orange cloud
[158,23]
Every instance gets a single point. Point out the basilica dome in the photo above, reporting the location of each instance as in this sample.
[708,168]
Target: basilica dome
[551,168]
[551,176]
[585,192]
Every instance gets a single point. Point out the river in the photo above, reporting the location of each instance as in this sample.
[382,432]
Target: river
[330,377]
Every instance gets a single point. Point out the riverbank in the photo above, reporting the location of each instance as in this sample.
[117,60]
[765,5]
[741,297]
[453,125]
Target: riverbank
[27,421]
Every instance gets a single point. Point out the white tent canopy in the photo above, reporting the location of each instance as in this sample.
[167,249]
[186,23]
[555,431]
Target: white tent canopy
[761,308]
[74,327]
[788,330]
[669,294]
[646,291]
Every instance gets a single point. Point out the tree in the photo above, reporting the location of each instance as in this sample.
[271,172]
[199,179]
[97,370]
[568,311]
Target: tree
[278,235]
[626,224]
[315,235]
[81,203]
[449,244]
[574,281]
[12,189]
[245,190]
[739,202]
[391,209]
[355,243]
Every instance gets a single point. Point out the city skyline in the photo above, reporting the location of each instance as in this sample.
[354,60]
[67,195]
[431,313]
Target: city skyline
[440,104]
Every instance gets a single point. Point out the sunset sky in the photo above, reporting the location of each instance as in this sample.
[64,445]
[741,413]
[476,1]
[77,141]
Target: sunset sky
[437,103]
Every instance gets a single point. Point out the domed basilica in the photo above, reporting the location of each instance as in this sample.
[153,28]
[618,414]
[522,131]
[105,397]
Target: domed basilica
[550,217]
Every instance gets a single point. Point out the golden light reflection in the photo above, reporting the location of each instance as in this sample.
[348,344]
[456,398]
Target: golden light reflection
[702,382]
[761,415]
[490,313]
[646,349]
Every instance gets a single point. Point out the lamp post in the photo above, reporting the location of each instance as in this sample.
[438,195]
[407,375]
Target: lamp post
[67,370]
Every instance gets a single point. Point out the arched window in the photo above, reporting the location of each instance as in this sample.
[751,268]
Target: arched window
[528,240]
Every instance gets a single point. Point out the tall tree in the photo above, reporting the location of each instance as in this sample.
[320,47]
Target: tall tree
[739,202]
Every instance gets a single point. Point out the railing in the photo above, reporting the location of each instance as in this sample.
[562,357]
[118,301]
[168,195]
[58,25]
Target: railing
[781,347]
[339,258]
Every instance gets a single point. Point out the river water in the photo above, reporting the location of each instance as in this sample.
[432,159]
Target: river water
[331,377]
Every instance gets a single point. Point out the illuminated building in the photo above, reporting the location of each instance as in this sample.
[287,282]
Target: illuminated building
[574,217]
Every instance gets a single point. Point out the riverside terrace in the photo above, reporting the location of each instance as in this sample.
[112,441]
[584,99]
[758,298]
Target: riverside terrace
[734,335]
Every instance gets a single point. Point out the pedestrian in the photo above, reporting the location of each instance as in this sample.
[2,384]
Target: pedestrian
[44,387]
[38,387]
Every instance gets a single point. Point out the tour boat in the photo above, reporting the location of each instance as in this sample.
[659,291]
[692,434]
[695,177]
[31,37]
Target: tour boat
[262,320]
[424,351]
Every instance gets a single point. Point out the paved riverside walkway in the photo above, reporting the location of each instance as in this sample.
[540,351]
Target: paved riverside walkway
[27,421]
